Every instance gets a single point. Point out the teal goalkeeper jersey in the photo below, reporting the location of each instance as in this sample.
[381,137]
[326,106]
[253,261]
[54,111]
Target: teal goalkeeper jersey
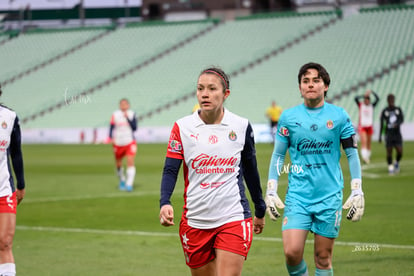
[313,137]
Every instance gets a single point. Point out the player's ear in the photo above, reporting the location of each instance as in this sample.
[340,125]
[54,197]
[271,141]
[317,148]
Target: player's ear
[226,93]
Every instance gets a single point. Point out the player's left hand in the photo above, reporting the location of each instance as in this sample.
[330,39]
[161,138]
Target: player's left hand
[355,202]
[272,200]
[258,224]
[167,215]
[20,195]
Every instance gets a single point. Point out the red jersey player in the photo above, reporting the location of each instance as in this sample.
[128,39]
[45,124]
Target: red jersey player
[121,132]
[366,121]
[217,150]
[10,194]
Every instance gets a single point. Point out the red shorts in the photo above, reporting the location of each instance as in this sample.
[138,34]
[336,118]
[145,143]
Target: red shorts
[122,151]
[8,204]
[199,244]
[368,130]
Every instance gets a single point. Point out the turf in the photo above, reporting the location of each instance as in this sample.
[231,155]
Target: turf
[74,221]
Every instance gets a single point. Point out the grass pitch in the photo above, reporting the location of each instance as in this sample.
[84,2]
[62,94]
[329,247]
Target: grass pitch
[74,221]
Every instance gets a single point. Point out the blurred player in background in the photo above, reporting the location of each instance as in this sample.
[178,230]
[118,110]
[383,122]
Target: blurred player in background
[121,132]
[273,113]
[218,150]
[366,122]
[313,132]
[391,119]
[11,194]
[195,108]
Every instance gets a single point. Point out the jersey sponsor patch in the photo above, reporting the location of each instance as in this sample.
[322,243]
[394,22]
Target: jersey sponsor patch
[284,131]
[213,139]
[175,146]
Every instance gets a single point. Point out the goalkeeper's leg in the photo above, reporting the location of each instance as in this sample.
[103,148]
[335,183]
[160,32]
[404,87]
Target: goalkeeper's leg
[300,269]
[294,246]
[323,255]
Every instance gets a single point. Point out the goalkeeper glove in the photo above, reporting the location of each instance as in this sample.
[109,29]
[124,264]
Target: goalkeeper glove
[355,202]
[272,200]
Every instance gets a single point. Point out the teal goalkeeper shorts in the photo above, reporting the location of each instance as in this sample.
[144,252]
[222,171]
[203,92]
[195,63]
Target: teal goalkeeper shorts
[322,218]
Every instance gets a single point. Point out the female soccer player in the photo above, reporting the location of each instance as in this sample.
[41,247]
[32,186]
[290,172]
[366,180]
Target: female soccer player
[10,197]
[121,133]
[313,132]
[218,150]
[366,121]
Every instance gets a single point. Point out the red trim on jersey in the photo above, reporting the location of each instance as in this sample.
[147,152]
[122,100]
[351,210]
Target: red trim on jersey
[175,145]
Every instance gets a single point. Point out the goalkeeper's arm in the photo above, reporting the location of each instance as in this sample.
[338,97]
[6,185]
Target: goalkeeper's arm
[272,199]
[355,202]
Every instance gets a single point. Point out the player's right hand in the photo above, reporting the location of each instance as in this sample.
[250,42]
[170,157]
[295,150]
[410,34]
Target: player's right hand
[167,215]
[272,200]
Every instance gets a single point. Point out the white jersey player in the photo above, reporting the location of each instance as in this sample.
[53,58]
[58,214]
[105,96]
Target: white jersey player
[366,122]
[217,150]
[121,132]
[11,193]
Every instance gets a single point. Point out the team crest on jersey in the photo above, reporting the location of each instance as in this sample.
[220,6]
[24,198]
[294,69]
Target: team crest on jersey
[213,139]
[4,125]
[284,131]
[175,146]
[329,124]
[232,136]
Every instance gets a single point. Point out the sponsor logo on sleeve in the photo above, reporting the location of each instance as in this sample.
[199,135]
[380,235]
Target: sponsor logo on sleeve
[175,146]
[284,131]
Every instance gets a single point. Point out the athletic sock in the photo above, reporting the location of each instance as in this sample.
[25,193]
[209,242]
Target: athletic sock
[120,173]
[363,153]
[130,172]
[8,269]
[323,272]
[298,270]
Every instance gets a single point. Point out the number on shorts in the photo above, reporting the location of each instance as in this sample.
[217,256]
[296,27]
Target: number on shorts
[247,230]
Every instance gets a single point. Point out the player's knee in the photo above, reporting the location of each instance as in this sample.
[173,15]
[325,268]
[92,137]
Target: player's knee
[323,260]
[293,256]
[6,242]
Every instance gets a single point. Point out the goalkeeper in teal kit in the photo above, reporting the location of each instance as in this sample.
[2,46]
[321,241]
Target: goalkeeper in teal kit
[314,133]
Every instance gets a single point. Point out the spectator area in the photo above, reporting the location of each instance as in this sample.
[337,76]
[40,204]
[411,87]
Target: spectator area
[159,65]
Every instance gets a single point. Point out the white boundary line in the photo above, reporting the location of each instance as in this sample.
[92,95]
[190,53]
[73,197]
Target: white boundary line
[86,197]
[160,234]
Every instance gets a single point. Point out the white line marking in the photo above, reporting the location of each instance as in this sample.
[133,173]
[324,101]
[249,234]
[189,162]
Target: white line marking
[161,234]
[86,197]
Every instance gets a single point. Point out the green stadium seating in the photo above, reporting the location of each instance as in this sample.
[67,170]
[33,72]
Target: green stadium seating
[352,49]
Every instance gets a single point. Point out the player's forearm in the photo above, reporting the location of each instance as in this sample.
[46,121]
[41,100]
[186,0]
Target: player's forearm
[251,175]
[17,155]
[169,179]
[277,160]
[353,162]
[133,124]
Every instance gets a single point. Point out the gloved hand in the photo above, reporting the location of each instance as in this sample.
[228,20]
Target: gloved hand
[355,202]
[272,200]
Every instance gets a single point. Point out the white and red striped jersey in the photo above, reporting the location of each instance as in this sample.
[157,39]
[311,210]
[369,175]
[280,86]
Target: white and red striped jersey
[366,112]
[366,115]
[10,140]
[122,128]
[213,170]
